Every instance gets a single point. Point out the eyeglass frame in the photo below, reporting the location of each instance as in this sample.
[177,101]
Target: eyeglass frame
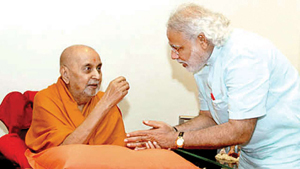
[176,48]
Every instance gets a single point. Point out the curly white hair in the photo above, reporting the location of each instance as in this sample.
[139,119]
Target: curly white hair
[192,19]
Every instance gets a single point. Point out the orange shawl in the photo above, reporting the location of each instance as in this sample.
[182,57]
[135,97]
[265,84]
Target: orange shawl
[56,115]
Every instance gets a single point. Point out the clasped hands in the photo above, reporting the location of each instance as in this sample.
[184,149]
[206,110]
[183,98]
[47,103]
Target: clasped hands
[161,135]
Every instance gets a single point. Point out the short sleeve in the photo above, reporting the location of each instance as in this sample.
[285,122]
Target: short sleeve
[199,78]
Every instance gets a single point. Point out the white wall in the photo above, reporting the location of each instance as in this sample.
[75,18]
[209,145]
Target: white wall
[130,37]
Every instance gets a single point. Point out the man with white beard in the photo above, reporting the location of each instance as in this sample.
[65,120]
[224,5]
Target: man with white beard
[73,110]
[248,90]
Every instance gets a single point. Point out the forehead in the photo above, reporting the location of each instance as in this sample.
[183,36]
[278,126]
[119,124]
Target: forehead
[175,37]
[87,56]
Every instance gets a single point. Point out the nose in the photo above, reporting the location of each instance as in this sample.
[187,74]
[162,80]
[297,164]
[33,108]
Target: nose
[96,74]
[174,55]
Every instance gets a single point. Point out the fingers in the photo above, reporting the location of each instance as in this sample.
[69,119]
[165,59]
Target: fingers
[124,88]
[159,125]
[120,78]
[156,145]
[154,124]
[138,133]
[116,91]
[138,138]
[144,138]
[152,145]
[140,148]
[150,123]
[144,145]
[136,144]
[121,84]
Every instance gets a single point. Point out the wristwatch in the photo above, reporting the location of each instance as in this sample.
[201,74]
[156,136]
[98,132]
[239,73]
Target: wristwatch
[180,140]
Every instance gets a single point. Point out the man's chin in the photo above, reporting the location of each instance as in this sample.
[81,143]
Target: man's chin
[92,92]
[189,68]
[193,69]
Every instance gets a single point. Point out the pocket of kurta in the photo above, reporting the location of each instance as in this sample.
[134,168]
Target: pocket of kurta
[219,105]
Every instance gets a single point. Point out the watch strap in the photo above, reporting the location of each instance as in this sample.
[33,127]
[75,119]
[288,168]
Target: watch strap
[180,134]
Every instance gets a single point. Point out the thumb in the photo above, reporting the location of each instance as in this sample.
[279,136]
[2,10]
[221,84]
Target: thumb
[154,124]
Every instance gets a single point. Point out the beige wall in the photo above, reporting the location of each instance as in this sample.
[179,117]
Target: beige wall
[130,37]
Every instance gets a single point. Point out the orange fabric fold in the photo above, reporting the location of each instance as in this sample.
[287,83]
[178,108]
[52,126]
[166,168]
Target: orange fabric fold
[56,115]
[78,156]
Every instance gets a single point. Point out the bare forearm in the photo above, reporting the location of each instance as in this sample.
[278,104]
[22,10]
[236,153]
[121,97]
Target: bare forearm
[230,133]
[115,92]
[199,122]
[209,138]
[81,133]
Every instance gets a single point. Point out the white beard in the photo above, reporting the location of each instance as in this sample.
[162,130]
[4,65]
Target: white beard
[92,92]
[196,61]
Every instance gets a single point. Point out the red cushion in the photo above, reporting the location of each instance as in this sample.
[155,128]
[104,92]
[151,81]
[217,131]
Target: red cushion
[13,148]
[30,95]
[16,110]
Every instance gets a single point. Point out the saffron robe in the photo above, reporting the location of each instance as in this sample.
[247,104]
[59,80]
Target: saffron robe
[56,115]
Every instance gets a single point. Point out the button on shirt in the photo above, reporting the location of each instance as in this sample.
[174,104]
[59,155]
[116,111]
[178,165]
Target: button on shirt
[249,78]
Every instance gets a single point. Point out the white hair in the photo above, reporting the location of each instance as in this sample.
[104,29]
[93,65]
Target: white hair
[192,19]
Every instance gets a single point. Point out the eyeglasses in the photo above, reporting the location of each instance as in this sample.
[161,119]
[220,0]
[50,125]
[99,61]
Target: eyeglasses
[176,48]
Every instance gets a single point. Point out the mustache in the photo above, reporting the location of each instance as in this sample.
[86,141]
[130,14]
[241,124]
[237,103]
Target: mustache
[94,82]
[181,61]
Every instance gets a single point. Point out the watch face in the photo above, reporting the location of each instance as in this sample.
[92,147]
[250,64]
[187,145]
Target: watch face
[180,141]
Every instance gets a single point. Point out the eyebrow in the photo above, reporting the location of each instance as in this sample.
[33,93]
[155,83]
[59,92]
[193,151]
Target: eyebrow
[88,64]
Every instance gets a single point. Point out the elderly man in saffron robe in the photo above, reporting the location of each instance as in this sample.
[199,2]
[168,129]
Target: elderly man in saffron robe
[73,111]
[76,126]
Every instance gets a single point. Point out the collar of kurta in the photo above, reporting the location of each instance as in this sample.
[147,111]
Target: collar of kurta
[214,55]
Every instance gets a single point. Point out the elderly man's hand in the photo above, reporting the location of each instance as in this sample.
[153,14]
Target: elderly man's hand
[161,135]
[116,91]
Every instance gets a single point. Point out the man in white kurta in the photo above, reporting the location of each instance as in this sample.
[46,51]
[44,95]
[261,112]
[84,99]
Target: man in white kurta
[249,78]
[249,93]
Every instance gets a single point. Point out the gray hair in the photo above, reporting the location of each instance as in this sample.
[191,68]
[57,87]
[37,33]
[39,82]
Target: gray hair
[192,19]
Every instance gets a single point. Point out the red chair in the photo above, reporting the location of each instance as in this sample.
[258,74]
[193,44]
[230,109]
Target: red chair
[16,114]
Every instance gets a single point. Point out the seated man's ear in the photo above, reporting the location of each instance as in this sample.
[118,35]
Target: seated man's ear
[65,74]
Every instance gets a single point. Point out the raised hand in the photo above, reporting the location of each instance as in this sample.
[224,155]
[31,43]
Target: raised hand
[161,135]
[115,92]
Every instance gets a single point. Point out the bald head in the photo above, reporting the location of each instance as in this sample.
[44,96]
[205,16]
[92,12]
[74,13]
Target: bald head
[73,53]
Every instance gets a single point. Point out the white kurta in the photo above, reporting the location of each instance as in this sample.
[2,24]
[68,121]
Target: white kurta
[249,78]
